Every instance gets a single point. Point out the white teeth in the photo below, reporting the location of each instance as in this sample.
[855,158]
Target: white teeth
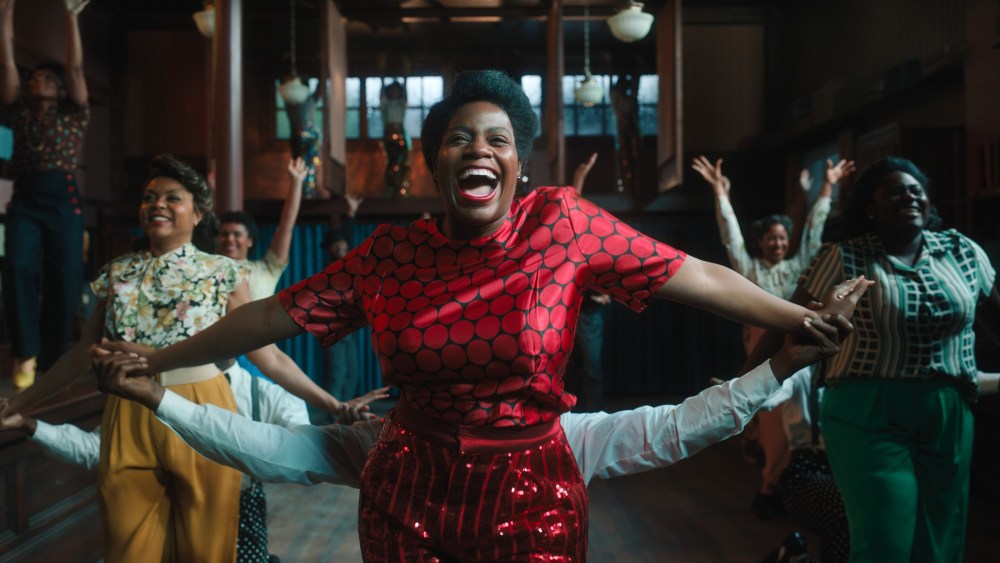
[469,172]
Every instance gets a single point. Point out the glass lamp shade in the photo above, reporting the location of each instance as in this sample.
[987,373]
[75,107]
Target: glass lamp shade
[293,91]
[205,20]
[631,23]
[589,92]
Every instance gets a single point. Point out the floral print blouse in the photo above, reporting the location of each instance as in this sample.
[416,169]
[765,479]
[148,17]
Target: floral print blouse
[160,300]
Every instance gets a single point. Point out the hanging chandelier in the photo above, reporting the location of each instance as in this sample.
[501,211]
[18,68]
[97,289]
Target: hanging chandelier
[589,91]
[631,23]
[292,90]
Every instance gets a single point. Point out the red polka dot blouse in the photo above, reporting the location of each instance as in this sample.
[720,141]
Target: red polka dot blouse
[479,331]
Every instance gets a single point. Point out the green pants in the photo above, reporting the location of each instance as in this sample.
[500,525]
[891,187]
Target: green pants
[900,453]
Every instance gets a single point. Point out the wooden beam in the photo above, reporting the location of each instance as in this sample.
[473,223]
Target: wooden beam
[553,114]
[228,114]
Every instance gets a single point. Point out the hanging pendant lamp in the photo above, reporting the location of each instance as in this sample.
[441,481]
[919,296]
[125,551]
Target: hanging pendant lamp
[631,23]
[292,90]
[589,91]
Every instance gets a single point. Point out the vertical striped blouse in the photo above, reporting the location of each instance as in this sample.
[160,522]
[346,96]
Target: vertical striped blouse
[916,321]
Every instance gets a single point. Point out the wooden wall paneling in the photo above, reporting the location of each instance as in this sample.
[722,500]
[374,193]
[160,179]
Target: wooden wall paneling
[670,149]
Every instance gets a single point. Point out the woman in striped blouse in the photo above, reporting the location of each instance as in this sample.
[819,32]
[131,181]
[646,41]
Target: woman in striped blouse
[897,418]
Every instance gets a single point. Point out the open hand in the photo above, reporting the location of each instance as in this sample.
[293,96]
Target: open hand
[74,7]
[298,170]
[712,174]
[358,408]
[843,298]
[353,203]
[581,172]
[836,172]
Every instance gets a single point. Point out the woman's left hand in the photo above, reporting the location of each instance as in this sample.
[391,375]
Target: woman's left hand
[74,7]
[843,298]
[107,347]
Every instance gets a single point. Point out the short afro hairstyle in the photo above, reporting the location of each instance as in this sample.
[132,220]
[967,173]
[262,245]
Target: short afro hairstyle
[242,218]
[492,86]
[167,166]
[856,219]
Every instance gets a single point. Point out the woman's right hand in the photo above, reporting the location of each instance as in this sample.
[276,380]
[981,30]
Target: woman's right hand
[712,174]
[358,409]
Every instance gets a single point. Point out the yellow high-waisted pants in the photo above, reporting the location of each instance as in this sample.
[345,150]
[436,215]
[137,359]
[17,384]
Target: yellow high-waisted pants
[161,500]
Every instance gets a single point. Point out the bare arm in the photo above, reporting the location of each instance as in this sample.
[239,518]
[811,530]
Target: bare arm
[68,367]
[722,291]
[243,330]
[76,83]
[282,240]
[10,81]
[581,172]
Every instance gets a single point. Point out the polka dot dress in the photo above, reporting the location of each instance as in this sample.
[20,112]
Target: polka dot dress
[478,332]
[810,496]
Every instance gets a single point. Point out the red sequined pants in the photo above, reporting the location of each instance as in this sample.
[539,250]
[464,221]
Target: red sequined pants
[460,493]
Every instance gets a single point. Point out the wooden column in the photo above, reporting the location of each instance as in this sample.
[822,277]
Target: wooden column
[670,130]
[334,67]
[228,114]
[555,140]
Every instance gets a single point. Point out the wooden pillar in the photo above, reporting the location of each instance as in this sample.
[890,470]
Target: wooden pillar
[670,130]
[228,110]
[334,68]
[553,126]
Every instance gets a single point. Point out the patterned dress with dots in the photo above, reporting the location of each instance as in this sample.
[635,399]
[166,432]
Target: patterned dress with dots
[476,333]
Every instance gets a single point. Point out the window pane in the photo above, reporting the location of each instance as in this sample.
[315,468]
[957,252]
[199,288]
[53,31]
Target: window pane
[538,113]
[647,120]
[591,121]
[373,90]
[569,89]
[374,123]
[353,124]
[649,89]
[532,85]
[353,92]
[433,90]
[569,120]
[282,129]
[413,121]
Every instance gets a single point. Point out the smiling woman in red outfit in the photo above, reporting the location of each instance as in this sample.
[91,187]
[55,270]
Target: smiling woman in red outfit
[473,317]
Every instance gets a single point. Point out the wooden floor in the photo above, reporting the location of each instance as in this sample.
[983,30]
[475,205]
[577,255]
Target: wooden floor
[695,511]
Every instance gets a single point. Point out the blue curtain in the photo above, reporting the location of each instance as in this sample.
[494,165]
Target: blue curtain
[305,258]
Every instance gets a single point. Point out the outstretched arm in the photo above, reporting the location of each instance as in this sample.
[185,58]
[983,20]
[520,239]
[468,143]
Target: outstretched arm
[282,239]
[725,216]
[303,454]
[627,442]
[10,80]
[76,83]
[581,172]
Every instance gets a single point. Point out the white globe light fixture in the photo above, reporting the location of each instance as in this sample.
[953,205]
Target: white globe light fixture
[205,20]
[631,23]
[292,90]
[590,91]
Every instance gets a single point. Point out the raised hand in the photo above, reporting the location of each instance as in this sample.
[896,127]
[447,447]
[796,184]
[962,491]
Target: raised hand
[580,174]
[805,180]
[353,203]
[712,174]
[835,173]
[298,170]
[74,7]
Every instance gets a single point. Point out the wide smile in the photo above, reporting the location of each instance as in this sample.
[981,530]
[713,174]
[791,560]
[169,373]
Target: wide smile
[158,219]
[477,184]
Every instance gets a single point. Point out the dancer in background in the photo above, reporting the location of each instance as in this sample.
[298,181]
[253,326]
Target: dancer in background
[896,417]
[44,241]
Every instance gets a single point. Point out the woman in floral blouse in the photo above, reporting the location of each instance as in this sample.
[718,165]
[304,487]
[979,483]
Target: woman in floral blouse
[154,497]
